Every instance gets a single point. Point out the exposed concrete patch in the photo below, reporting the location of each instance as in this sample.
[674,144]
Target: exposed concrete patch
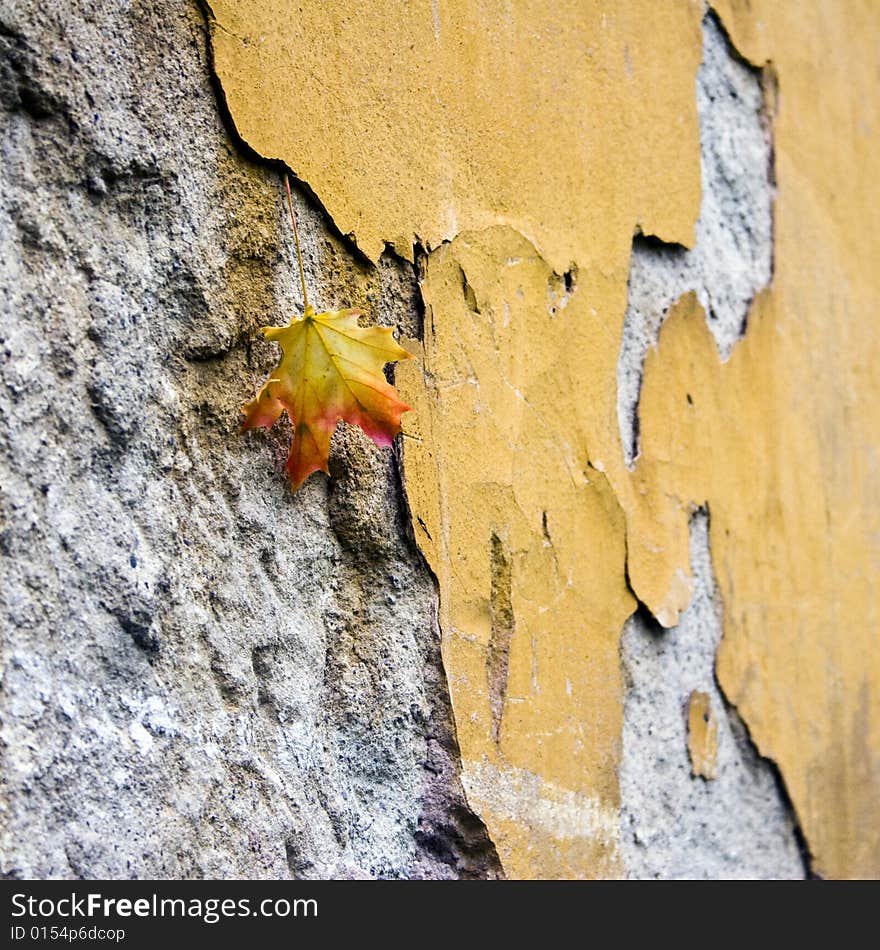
[733,256]
[203,676]
[676,824]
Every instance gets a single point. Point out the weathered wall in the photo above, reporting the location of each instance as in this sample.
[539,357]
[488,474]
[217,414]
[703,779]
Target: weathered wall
[205,675]
[202,674]
[536,156]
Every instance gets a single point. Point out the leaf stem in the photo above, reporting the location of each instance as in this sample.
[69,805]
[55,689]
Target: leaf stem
[299,257]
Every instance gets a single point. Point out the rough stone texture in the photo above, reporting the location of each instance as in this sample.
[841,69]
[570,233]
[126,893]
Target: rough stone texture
[733,256]
[202,674]
[675,824]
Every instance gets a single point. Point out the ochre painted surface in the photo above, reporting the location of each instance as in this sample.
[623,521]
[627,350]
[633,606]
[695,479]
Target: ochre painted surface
[702,734]
[527,540]
[801,649]
[536,136]
[417,121]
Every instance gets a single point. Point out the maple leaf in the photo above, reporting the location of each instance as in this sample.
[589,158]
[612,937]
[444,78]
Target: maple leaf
[330,369]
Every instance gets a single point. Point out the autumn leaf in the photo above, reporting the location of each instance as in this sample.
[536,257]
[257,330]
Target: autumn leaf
[330,369]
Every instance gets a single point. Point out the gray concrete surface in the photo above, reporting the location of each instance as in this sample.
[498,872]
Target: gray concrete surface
[675,824]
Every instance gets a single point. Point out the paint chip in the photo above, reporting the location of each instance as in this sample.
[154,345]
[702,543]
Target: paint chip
[702,736]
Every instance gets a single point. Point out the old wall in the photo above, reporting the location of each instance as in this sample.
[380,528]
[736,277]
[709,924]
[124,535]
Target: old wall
[536,139]
[633,520]
[202,674]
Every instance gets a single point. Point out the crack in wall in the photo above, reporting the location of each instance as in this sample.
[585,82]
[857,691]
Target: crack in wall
[732,258]
[502,625]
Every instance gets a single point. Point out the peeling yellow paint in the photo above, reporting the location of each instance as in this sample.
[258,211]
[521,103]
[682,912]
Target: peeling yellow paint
[702,736]
[452,128]
[506,469]
[806,672]
[547,145]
